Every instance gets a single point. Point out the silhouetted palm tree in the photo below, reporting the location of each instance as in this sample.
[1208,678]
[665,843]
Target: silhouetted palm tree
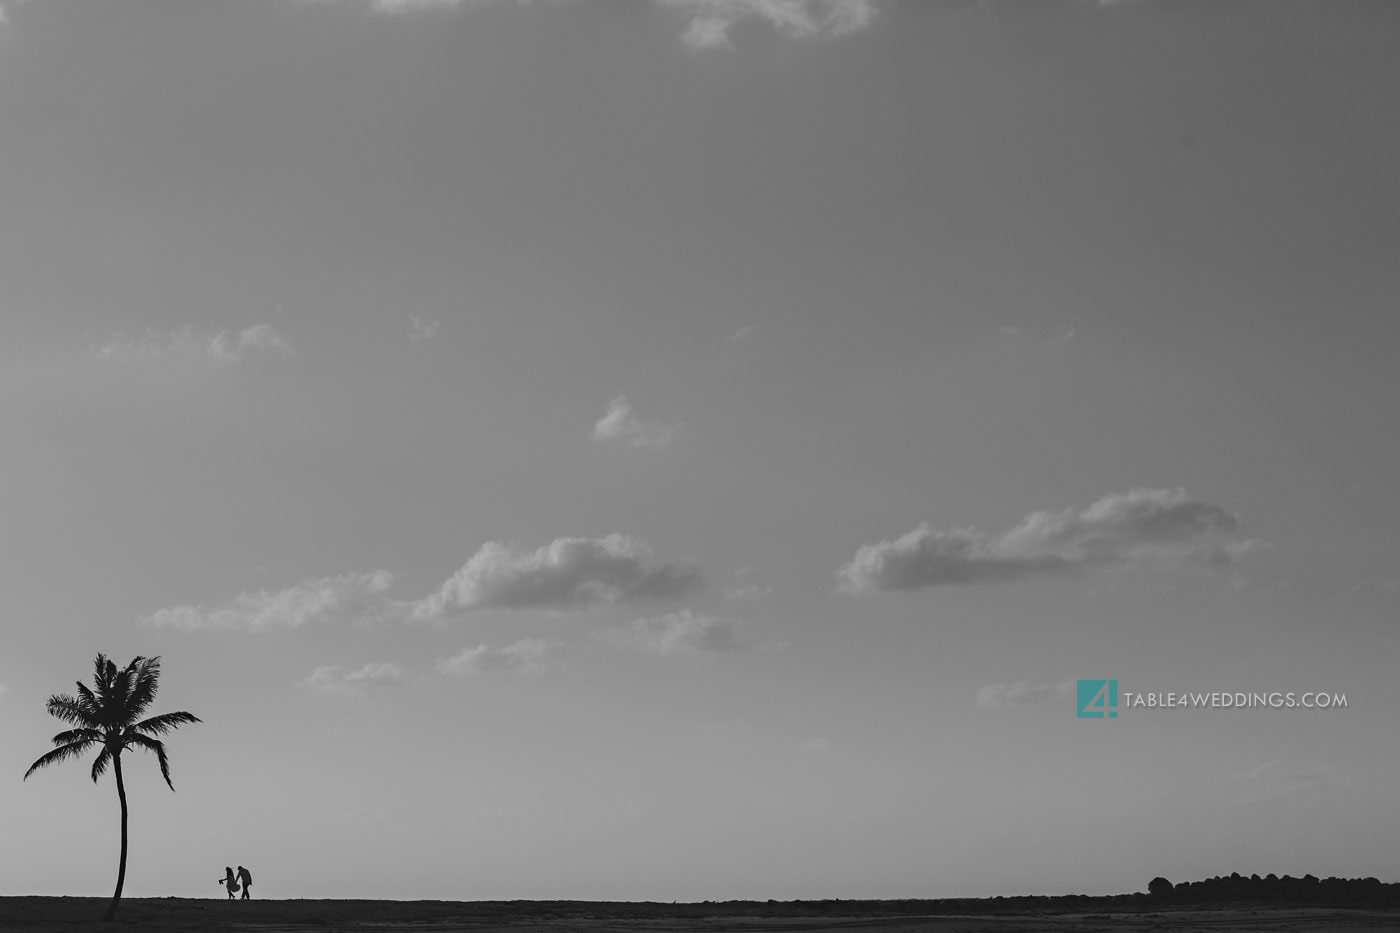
[109,717]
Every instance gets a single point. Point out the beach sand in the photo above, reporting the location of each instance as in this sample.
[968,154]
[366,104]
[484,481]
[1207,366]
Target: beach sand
[53,914]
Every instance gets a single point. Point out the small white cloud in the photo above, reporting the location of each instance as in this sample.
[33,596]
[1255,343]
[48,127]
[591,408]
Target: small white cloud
[844,17]
[420,329]
[925,557]
[798,19]
[346,595]
[334,680]
[261,337]
[815,746]
[679,633]
[620,424]
[190,344]
[1008,330]
[1010,696]
[744,586]
[567,574]
[1162,527]
[527,656]
[1273,779]
[403,6]
[3,690]
[710,20]
[743,333]
[707,32]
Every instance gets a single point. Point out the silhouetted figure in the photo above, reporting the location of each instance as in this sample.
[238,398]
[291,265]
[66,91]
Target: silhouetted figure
[229,882]
[245,876]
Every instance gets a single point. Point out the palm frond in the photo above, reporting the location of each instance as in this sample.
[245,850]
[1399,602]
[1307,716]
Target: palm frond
[63,753]
[105,684]
[78,735]
[100,664]
[69,709]
[141,691]
[89,704]
[100,763]
[120,694]
[137,740]
[160,725]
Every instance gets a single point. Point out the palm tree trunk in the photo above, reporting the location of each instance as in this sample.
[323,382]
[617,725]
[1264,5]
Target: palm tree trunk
[121,870]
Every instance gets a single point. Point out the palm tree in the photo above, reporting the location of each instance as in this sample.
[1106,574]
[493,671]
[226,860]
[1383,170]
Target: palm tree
[108,717]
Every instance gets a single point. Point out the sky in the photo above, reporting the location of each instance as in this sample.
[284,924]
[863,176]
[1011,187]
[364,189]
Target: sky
[690,449]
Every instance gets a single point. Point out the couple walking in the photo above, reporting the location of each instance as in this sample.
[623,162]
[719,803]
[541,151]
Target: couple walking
[231,882]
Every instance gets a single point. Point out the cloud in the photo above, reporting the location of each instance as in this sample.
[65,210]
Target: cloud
[527,656]
[815,746]
[935,558]
[349,594]
[844,17]
[622,425]
[707,32]
[1273,780]
[744,586]
[743,333]
[190,344]
[403,6]
[1153,526]
[1010,696]
[679,633]
[419,329]
[710,20]
[334,680]
[567,574]
[3,690]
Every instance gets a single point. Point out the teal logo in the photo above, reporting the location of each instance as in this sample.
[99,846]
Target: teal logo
[1096,699]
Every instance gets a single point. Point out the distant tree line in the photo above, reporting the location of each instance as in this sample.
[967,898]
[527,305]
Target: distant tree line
[1271,889]
[1224,891]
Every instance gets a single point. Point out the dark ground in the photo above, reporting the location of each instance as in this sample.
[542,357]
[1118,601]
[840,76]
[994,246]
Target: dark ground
[167,915]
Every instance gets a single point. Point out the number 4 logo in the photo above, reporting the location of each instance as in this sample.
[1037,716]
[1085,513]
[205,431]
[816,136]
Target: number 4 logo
[1097,699]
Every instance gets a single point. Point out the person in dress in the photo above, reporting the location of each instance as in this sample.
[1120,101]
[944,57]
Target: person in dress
[230,882]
